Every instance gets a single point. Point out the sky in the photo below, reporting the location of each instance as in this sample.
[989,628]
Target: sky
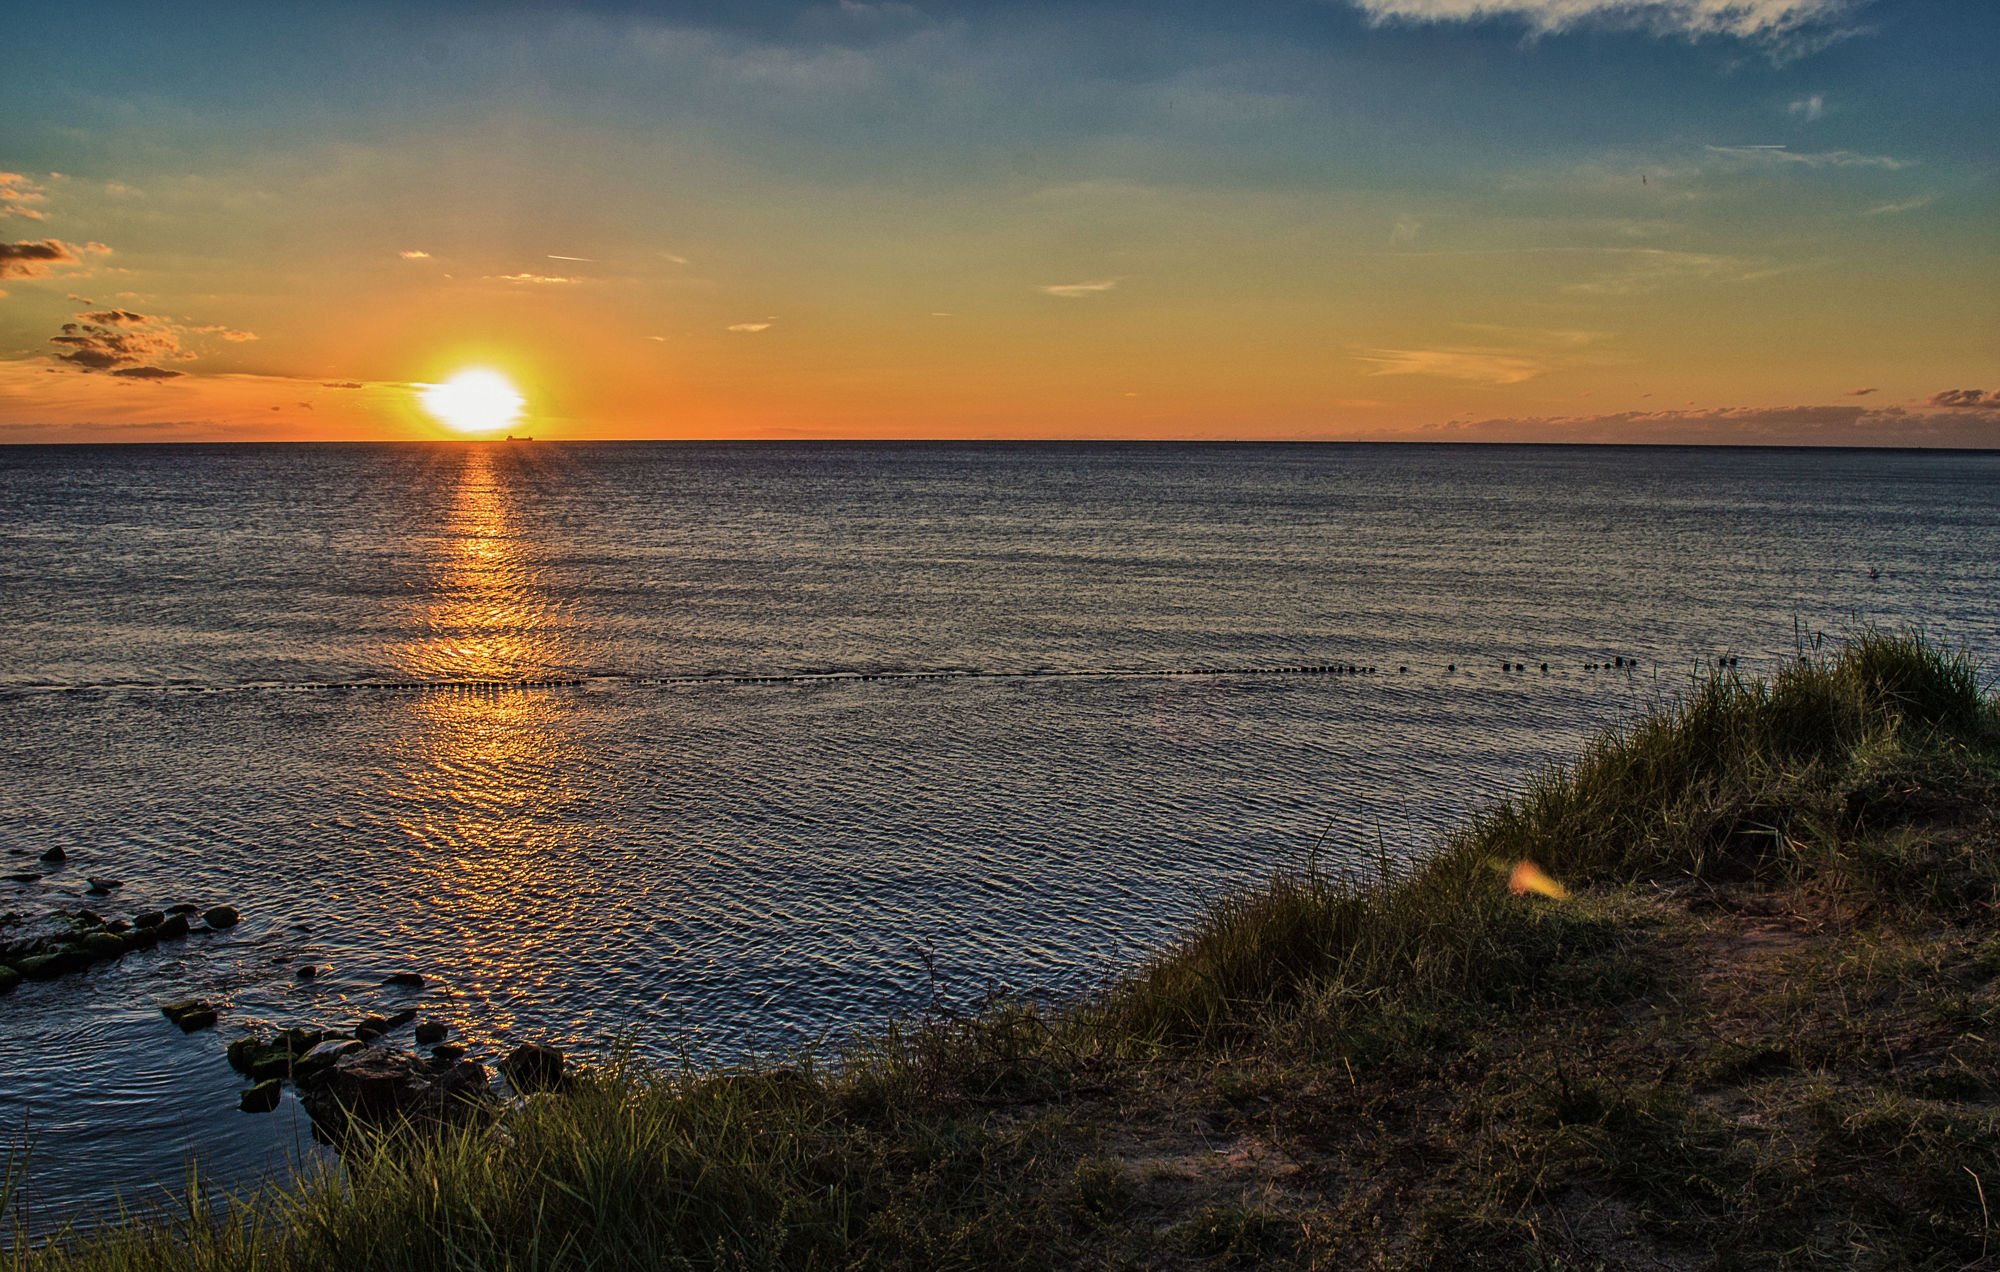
[1739,221]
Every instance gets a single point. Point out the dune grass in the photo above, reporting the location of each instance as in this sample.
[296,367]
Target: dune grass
[1754,1035]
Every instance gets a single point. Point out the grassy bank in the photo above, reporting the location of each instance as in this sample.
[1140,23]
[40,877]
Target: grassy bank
[1762,1029]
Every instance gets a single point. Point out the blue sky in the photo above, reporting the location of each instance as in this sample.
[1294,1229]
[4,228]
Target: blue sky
[1505,218]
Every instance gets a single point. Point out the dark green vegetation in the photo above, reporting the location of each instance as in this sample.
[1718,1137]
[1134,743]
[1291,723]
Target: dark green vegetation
[1763,1031]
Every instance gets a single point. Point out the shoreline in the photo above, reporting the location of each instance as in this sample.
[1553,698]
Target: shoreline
[1753,1032]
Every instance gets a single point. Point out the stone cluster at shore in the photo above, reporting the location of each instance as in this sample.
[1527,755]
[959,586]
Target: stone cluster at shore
[65,941]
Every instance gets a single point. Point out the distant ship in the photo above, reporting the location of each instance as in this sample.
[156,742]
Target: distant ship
[512,438]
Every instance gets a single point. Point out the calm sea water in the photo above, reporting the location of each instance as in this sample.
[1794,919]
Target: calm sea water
[728,749]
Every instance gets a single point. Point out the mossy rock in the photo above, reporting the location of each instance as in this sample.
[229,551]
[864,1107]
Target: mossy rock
[148,918]
[270,1063]
[263,1097]
[173,927]
[8,978]
[243,1051]
[53,963]
[103,945]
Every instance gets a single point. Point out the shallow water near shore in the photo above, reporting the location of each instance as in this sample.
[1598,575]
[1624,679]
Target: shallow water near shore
[731,749]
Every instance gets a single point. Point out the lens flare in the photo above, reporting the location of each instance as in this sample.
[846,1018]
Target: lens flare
[1528,877]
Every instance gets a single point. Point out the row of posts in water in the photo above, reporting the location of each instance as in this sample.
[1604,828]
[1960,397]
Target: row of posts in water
[1618,663]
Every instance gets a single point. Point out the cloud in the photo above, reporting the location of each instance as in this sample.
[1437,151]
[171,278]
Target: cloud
[1646,269]
[1785,23]
[118,318]
[16,193]
[585,259]
[340,384]
[148,373]
[414,254]
[92,346]
[678,260]
[1901,206]
[1077,291]
[1966,400]
[1773,154]
[1860,392]
[37,258]
[1405,230]
[1808,108]
[749,328]
[1480,366]
[536,279]
[227,333]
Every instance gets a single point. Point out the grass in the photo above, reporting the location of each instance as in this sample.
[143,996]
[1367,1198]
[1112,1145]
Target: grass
[1755,1035]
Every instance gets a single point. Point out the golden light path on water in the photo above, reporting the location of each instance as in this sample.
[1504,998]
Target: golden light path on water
[489,781]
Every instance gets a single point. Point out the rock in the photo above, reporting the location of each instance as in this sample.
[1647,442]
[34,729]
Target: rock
[306,972]
[263,1097]
[322,1055]
[431,1032]
[533,1067]
[24,876]
[54,963]
[373,1023]
[144,938]
[190,1015]
[383,1088]
[148,919]
[408,980]
[183,908]
[173,928]
[55,856]
[102,945]
[103,887]
[298,1041]
[447,1051]
[120,926]
[242,1051]
[221,916]
[8,978]
[397,1020]
[269,1063]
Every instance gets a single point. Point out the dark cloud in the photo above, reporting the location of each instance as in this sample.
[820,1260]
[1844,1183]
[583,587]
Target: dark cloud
[1966,400]
[37,257]
[341,384]
[123,344]
[1859,392]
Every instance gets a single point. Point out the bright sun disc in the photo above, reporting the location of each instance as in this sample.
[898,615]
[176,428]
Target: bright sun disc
[475,401]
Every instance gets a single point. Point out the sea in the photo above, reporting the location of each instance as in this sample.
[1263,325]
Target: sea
[722,752]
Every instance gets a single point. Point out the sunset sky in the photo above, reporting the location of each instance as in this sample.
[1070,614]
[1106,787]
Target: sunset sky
[1594,220]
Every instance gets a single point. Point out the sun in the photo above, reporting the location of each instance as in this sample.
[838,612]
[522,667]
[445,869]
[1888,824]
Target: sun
[474,401]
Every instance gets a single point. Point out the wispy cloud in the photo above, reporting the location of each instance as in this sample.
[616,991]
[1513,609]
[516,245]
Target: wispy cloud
[1860,392]
[1808,108]
[37,258]
[1784,22]
[1077,291]
[1479,366]
[1404,231]
[1648,269]
[1901,206]
[230,334]
[414,254]
[1775,154]
[587,260]
[17,193]
[751,328]
[537,280]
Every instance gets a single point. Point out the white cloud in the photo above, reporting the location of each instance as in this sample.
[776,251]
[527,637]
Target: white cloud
[1649,269]
[1901,206]
[749,328]
[537,279]
[1077,291]
[1810,158]
[414,254]
[1768,20]
[1808,108]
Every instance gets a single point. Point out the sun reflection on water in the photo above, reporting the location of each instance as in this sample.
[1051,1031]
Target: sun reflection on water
[487,782]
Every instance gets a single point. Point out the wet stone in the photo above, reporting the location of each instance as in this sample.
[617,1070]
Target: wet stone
[55,856]
[533,1066]
[148,919]
[306,972]
[263,1097]
[174,927]
[221,916]
[431,1032]
[190,1015]
[398,1019]
[407,980]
